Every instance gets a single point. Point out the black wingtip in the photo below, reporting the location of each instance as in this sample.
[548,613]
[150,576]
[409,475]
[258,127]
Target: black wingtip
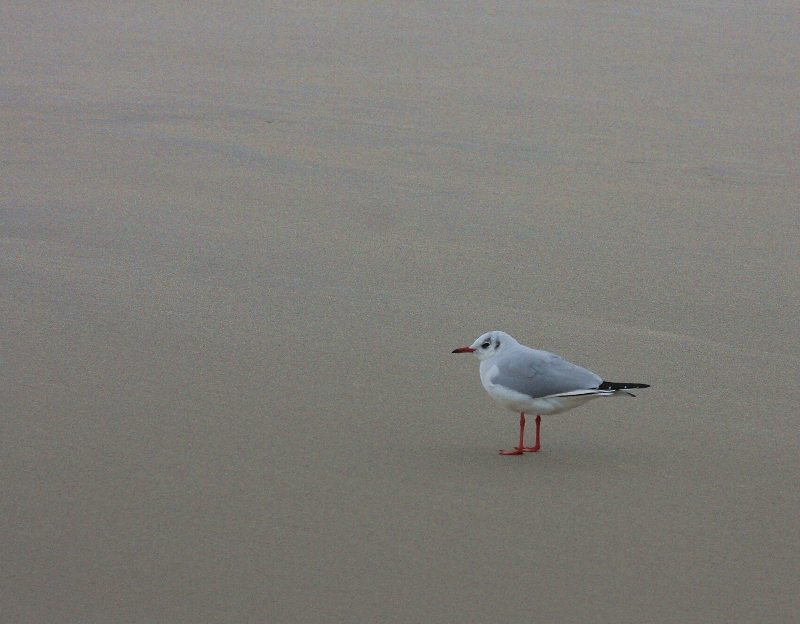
[612,385]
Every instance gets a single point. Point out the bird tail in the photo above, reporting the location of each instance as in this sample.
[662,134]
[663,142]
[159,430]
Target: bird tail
[621,387]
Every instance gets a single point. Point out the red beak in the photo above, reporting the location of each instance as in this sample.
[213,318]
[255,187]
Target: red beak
[463,350]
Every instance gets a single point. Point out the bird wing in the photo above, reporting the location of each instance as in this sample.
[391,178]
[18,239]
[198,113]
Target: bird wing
[541,373]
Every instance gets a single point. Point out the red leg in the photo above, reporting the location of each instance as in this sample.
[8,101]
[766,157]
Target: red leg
[519,450]
[538,445]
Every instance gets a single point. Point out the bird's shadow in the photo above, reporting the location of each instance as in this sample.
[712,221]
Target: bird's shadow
[567,456]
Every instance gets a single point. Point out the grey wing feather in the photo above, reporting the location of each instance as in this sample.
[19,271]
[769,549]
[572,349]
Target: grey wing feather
[541,373]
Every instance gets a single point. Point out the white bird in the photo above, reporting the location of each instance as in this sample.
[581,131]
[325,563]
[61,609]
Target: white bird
[537,382]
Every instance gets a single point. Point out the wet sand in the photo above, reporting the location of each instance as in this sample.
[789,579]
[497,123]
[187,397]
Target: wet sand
[239,245]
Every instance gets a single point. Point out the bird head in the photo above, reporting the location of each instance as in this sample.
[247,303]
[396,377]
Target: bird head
[488,344]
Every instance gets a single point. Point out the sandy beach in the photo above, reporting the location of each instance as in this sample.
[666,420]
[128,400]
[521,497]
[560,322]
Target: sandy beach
[238,245]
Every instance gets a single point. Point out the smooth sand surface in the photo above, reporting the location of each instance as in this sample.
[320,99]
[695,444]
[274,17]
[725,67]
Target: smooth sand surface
[238,246]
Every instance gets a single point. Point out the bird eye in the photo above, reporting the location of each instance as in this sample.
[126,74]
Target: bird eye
[485,345]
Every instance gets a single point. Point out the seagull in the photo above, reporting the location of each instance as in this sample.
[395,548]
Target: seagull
[530,381]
